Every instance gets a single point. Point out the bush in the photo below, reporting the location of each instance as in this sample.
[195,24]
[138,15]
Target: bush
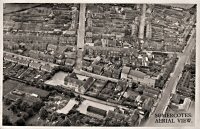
[20,122]
[6,120]
[43,113]
[30,112]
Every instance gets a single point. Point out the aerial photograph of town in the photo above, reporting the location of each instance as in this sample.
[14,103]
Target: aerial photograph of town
[103,64]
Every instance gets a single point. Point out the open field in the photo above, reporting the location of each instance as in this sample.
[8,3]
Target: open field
[57,79]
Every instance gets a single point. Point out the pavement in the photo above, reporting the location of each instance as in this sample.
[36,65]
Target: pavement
[101,101]
[68,107]
[142,22]
[81,35]
[167,52]
[172,81]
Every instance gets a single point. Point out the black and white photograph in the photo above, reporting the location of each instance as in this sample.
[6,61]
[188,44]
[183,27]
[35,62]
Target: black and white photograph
[99,64]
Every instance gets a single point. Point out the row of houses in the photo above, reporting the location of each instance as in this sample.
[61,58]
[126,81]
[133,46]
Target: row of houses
[27,62]
[137,76]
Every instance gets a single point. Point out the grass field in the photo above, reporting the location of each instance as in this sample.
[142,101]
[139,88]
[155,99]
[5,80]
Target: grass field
[10,85]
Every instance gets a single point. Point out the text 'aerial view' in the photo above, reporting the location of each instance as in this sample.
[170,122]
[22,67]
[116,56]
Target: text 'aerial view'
[104,64]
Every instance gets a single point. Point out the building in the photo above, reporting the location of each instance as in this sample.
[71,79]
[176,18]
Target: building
[138,76]
[107,73]
[116,73]
[121,85]
[148,31]
[147,105]
[61,49]
[47,68]
[70,62]
[96,112]
[51,47]
[73,83]
[87,84]
[71,55]
[69,32]
[125,71]
[97,69]
[34,54]
[23,62]
[134,29]
[10,58]
[35,65]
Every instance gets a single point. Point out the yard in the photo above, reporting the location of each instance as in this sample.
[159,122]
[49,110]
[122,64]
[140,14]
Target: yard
[57,79]
[10,85]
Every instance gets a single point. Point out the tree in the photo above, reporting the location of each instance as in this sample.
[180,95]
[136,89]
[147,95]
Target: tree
[134,85]
[64,122]
[25,115]
[20,122]
[13,107]
[18,102]
[37,105]
[7,101]
[43,113]
[53,92]
[30,112]
[24,105]
[54,117]
[6,120]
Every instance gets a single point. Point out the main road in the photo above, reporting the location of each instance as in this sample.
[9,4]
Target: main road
[81,35]
[172,81]
[142,22]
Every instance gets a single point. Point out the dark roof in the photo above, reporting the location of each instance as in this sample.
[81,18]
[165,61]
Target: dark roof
[121,84]
[97,111]
[88,83]
[76,81]
[107,73]
[116,73]
[111,114]
[137,74]
[97,69]
[131,93]
[134,117]
[86,63]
